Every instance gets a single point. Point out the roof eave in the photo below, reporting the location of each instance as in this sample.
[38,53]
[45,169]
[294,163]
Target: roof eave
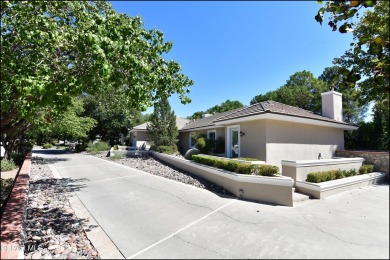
[287,118]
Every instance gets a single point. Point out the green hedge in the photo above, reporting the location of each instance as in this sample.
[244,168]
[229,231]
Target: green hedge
[366,168]
[317,177]
[165,149]
[47,146]
[236,166]
[7,165]
[98,147]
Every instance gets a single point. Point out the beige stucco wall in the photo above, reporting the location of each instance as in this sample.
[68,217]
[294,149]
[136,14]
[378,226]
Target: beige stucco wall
[141,138]
[252,143]
[273,141]
[295,141]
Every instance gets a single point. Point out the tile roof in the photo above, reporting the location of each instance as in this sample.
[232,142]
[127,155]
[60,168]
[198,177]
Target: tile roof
[274,107]
[180,122]
[206,121]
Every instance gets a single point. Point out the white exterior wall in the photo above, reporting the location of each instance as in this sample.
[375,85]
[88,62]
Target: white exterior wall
[294,141]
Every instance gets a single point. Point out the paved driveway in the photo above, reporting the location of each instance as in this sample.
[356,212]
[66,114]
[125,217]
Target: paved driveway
[151,217]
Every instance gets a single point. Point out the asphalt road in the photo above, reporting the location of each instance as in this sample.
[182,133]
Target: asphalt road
[147,216]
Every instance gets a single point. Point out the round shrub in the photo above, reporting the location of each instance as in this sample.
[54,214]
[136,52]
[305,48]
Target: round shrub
[201,144]
[191,152]
[7,165]
[265,170]
[47,146]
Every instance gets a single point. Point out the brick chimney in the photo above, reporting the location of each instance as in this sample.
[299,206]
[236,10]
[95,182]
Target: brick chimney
[332,105]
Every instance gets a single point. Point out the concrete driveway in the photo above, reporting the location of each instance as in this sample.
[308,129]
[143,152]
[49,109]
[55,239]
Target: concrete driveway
[147,216]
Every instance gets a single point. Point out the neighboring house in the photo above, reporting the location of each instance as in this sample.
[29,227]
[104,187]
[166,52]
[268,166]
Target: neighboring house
[271,131]
[139,136]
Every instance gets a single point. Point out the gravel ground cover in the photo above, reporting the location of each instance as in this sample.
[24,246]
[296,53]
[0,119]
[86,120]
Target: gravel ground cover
[52,229]
[147,163]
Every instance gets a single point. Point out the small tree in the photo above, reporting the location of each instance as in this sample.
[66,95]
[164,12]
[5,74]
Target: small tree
[162,126]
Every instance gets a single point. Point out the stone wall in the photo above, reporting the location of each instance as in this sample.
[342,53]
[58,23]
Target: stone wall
[378,158]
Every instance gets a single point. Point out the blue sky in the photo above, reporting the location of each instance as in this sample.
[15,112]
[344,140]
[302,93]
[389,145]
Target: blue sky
[236,50]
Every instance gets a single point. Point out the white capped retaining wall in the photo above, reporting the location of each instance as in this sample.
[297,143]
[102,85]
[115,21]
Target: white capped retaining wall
[325,189]
[273,190]
[298,170]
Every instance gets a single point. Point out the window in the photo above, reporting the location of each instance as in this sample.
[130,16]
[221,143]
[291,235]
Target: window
[212,137]
[192,139]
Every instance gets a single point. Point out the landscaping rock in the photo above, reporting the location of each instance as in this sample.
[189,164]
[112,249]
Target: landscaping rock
[191,152]
[52,229]
[147,163]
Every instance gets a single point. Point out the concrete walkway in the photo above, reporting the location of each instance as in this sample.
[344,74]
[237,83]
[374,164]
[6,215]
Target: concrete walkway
[146,216]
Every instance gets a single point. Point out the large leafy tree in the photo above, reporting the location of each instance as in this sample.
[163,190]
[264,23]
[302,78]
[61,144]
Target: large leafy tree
[353,111]
[368,59]
[302,90]
[223,107]
[113,117]
[68,125]
[162,127]
[54,51]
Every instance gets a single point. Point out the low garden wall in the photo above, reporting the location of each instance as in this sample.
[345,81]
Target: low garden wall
[298,170]
[13,215]
[380,159]
[325,189]
[274,190]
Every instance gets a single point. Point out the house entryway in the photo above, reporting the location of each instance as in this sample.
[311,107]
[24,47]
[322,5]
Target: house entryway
[233,144]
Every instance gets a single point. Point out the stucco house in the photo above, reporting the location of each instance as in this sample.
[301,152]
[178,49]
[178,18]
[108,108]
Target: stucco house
[271,131]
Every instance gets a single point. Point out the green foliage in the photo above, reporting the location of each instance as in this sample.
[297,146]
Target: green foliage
[302,90]
[54,51]
[98,147]
[116,147]
[225,106]
[219,145]
[162,127]
[317,177]
[249,159]
[366,168]
[47,146]
[265,170]
[118,156]
[18,158]
[166,149]
[7,165]
[236,166]
[202,144]
[5,188]
[81,147]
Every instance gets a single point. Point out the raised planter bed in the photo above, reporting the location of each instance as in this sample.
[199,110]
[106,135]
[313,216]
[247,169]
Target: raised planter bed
[298,170]
[235,159]
[328,188]
[274,190]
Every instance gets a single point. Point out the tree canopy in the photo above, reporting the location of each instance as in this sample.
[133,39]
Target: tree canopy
[368,59]
[56,50]
[162,127]
[223,107]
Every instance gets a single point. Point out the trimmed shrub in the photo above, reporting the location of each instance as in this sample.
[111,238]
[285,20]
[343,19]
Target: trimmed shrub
[340,174]
[7,165]
[98,147]
[202,144]
[191,152]
[47,146]
[317,177]
[18,158]
[351,172]
[366,168]
[248,159]
[118,156]
[166,149]
[235,166]
[265,170]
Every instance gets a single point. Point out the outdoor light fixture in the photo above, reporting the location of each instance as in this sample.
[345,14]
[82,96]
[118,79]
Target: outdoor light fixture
[242,133]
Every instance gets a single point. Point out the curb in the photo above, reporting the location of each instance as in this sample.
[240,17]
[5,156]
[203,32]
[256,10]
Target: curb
[13,216]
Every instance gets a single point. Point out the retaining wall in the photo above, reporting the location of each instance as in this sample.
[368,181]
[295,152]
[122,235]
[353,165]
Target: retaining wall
[378,158]
[272,190]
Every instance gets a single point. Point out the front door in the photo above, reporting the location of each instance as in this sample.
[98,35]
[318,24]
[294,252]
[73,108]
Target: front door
[234,144]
